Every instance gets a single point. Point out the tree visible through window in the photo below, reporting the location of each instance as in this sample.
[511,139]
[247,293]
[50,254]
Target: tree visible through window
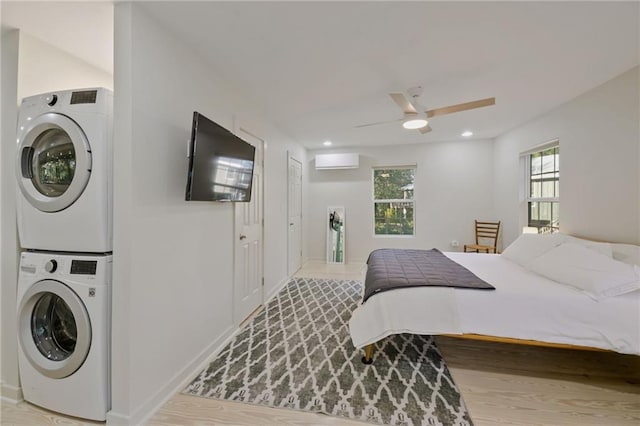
[544,190]
[393,203]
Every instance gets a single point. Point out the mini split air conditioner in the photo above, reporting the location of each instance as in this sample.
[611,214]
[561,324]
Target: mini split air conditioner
[337,161]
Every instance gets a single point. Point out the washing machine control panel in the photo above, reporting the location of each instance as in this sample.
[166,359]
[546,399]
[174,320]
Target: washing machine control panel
[84,267]
[51,266]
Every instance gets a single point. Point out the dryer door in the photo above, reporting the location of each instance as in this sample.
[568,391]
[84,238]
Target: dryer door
[54,162]
[54,329]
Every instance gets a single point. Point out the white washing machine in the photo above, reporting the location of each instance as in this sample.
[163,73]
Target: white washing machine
[64,330]
[64,171]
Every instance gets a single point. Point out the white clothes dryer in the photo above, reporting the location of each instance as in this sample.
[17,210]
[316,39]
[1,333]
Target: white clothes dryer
[64,171]
[64,328]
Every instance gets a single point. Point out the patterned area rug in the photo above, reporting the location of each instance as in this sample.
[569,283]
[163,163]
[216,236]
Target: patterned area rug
[296,353]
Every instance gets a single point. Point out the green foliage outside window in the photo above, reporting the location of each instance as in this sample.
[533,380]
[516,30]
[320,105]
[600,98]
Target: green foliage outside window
[393,201]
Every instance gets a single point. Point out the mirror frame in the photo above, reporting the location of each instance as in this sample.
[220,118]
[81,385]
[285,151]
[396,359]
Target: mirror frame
[335,237]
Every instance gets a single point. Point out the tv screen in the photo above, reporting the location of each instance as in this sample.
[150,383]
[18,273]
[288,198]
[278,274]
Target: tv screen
[220,164]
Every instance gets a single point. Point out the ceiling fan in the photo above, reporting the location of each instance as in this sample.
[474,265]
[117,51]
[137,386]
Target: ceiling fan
[413,119]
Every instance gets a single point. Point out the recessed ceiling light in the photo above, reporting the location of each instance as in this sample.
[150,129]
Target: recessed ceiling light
[327,143]
[467,133]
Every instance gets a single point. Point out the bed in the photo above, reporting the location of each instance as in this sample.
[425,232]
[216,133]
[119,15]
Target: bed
[527,305]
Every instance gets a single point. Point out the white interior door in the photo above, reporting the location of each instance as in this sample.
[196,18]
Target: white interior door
[294,215]
[248,232]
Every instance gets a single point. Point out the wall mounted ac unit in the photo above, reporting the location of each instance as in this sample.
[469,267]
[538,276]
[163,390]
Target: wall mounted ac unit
[337,161]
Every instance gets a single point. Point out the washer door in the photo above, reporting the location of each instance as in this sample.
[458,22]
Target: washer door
[54,162]
[54,329]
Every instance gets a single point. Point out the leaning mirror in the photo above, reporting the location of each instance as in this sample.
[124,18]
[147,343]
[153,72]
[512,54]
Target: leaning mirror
[335,226]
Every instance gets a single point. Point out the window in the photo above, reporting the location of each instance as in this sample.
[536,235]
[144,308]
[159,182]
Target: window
[393,203]
[543,194]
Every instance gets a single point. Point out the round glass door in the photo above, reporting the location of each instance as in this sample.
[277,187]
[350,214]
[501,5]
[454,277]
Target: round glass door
[54,329]
[54,162]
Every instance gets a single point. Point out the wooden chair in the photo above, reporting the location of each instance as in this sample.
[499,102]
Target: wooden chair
[486,232]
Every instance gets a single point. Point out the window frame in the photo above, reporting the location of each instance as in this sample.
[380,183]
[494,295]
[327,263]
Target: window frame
[528,198]
[413,167]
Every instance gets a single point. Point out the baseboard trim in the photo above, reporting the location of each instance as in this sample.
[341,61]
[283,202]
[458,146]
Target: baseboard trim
[314,260]
[11,394]
[117,419]
[275,290]
[178,382]
[181,379]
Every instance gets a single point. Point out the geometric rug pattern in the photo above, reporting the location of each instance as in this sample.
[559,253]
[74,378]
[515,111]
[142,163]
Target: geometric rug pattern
[297,353]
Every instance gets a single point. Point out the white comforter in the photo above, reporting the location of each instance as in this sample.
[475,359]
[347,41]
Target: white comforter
[523,306]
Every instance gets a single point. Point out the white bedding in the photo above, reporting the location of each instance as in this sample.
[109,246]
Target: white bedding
[524,305]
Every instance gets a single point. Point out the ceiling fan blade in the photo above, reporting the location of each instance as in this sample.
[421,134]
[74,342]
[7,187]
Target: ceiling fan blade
[379,122]
[403,103]
[425,129]
[461,107]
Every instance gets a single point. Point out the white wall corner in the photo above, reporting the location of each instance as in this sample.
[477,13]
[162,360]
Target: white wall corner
[117,419]
[11,394]
[9,248]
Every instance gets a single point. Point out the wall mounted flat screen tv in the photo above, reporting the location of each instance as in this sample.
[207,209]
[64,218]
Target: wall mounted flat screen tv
[220,163]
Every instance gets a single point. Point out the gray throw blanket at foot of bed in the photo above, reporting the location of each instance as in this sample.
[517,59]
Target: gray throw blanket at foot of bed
[389,269]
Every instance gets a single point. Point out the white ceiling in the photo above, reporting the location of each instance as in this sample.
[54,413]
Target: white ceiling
[318,69]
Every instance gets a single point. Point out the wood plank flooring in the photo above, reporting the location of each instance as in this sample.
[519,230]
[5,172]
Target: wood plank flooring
[525,385]
[502,384]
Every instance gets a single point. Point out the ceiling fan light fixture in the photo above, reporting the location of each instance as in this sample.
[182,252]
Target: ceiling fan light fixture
[414,123]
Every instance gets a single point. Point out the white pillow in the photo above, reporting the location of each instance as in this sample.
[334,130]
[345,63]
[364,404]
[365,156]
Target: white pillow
[604,248]
[627,253]
[529,246]
[594,273]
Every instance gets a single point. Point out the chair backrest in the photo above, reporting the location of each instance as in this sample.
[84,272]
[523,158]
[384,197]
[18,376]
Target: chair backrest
[487,231]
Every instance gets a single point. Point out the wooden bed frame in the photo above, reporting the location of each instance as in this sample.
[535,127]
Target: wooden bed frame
[368,350]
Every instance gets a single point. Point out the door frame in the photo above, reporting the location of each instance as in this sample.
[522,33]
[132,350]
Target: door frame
[239,130]
[290,157]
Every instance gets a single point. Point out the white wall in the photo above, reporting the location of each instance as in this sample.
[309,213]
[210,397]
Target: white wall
[45,68]
[24,59]
[599,160]
[173,260]
[8,236]
[452,188]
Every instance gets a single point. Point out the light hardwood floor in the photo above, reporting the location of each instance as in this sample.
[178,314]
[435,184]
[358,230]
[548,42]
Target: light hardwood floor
[502,384]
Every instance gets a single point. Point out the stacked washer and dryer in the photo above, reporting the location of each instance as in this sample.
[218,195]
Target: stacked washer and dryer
[64,210]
